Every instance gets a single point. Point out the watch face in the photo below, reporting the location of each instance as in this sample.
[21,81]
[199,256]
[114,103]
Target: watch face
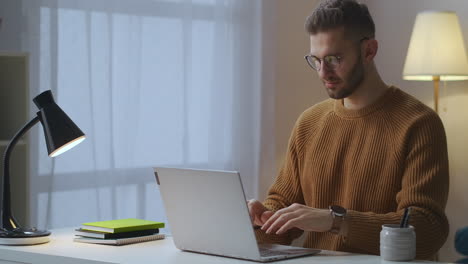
[338,210]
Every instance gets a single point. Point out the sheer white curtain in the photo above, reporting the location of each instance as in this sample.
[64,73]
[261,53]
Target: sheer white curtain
[151,83]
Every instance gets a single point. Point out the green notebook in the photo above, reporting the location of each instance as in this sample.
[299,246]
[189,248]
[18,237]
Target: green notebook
[122,225]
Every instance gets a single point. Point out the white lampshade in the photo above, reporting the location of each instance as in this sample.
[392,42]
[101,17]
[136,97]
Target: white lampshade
[436,48]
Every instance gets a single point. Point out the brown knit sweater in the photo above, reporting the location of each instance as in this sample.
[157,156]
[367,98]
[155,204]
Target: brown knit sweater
[375,162]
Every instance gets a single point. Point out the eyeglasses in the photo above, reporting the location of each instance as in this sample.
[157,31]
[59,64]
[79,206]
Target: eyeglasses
[331,61]
[315,63]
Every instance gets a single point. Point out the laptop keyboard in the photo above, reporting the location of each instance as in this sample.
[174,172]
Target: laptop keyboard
[266,252]
[269,252]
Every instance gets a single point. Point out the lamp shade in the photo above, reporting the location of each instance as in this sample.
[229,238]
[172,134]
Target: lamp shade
[436,48]
[60,132]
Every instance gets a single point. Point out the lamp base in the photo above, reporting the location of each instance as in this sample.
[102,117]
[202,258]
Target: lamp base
[23,236]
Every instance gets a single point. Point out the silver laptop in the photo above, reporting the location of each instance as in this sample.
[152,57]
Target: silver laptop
[208,213]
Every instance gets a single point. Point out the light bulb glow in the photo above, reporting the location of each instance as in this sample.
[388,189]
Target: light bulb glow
[67,146]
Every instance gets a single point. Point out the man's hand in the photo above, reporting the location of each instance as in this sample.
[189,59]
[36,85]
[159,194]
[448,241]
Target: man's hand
[298,216]
[258,213]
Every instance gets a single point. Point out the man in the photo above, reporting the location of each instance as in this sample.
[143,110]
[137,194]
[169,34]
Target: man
[358,159]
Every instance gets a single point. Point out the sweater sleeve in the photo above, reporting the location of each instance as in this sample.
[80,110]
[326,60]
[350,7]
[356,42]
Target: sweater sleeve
[424,188]
[285,191]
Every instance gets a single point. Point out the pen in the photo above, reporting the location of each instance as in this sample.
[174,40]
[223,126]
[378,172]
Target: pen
[405,218]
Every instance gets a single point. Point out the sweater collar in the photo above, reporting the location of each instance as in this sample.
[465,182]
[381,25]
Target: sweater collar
[341,111]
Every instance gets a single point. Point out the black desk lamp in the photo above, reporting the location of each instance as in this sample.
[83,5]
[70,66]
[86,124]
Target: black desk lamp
[61,134]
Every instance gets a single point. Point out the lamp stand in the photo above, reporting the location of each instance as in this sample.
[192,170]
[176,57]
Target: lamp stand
[436,80]
[11,233]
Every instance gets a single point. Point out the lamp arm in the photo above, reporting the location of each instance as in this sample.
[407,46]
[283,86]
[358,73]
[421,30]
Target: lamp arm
[7,221]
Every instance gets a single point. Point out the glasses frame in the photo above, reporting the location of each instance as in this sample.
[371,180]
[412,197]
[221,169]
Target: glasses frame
[324,59]
[318,67]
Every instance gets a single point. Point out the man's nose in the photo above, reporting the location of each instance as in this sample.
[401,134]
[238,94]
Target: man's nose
[324,71]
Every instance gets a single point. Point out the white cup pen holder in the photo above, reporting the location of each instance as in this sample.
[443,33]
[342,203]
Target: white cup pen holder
[397,243]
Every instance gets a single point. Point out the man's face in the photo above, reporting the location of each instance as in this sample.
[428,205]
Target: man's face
[342,81]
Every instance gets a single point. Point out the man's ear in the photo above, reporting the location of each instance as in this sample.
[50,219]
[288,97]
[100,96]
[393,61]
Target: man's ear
[370,50]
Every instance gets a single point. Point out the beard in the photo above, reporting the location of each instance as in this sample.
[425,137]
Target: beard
[351,82]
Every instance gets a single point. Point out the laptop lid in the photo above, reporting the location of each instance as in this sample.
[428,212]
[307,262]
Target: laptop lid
[207,212]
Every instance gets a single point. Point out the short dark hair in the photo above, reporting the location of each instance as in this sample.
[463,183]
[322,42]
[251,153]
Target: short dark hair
[354,17]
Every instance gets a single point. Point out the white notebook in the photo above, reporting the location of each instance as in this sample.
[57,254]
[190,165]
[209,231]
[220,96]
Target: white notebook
[119,241]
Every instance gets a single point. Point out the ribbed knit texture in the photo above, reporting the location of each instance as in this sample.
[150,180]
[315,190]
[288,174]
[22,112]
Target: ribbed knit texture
[375,162]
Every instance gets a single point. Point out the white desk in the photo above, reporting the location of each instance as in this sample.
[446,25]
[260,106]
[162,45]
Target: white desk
[61,249]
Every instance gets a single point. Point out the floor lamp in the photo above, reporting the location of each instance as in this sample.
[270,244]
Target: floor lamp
[436,50]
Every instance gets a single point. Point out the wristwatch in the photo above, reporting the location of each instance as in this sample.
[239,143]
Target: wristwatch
[338,213]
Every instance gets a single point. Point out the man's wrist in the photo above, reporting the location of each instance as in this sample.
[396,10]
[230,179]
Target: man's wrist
[339,225]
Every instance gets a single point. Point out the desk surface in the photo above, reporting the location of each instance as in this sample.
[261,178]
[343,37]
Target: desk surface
[61,249]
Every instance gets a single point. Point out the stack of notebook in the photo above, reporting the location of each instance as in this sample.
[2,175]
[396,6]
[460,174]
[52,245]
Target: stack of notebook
[119,232]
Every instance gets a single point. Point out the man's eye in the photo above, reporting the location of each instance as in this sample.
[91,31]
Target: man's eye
[331,59]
